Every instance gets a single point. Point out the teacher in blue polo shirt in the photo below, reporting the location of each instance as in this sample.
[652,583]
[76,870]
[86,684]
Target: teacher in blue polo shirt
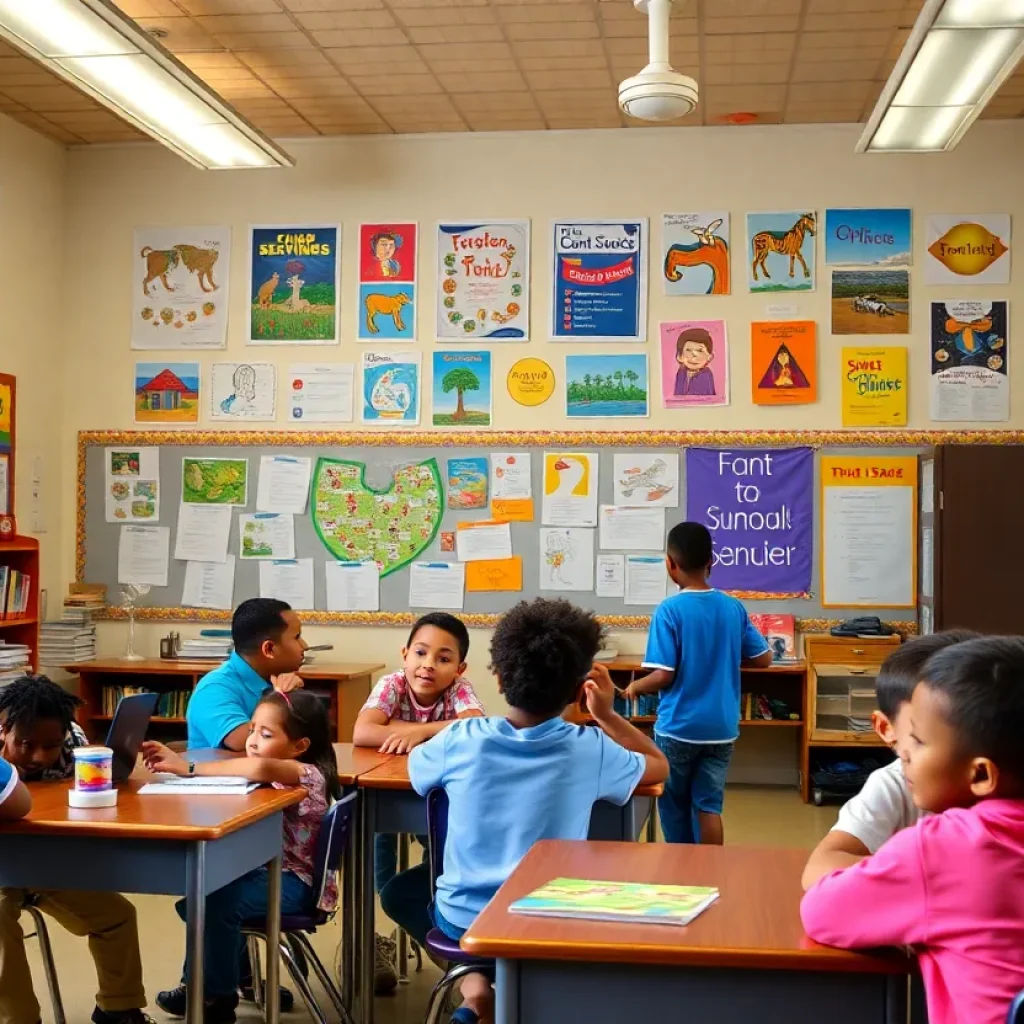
[269,650]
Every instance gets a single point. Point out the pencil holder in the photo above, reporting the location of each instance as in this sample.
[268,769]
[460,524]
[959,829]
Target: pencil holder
[94,785]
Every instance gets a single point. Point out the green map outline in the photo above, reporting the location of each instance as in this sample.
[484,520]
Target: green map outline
[322,462]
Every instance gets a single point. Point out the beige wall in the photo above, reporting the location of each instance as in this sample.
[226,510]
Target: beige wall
[541,176]
[33,324]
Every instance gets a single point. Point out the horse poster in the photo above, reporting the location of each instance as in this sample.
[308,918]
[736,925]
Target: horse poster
[387,281]
[784,361]
[781,251]
[970,360]
[870,302]
[695,253]
[180,288]
[294,280]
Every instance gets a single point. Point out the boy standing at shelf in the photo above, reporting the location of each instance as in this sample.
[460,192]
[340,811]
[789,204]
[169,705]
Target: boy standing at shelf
[697,642]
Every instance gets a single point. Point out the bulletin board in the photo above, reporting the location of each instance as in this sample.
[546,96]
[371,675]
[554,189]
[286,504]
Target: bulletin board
[382,453]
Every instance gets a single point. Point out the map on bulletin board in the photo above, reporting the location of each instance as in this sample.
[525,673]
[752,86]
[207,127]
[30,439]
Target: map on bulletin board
[391,527]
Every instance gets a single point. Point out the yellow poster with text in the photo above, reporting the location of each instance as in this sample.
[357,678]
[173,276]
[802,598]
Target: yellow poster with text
[874,387]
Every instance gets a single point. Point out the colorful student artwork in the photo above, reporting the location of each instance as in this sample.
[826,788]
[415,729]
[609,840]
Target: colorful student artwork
[294,282]
[180,287]
[781,251]
[132,485]
[783,362]
[483,281]
[758,505]
[531,382]
[391,388]
[390,527]
[970,360]
[566,559]
[243,391]
[868,238]
[467,483]
[968,249]
[570,489]
[695,256]
[874,387]
[694,363]
[215,481]
[461,389]
[599,280]
[650,481]
[167,393]
[600,387]
[870,302]
[387,282]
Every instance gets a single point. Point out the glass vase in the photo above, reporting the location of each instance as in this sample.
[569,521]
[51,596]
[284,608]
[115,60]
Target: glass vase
[129,654]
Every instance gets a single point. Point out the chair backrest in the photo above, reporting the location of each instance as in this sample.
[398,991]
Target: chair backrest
[335,833]
[1016,1014]
[437,834]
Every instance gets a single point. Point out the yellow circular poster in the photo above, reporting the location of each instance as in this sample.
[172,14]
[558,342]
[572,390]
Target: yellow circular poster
[531,382]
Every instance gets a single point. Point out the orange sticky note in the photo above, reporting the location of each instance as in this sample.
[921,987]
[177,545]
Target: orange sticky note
[496,574]
[512,510]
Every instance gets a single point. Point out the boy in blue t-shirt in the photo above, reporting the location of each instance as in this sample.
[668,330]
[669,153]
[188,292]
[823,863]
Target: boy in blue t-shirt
[697,642]
[531,775]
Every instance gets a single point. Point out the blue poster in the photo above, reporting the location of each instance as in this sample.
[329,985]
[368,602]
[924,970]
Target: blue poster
[867,238]
[391,388]
[599,281]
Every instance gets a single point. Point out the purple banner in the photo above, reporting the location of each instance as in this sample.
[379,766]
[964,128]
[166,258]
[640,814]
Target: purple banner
[758,504]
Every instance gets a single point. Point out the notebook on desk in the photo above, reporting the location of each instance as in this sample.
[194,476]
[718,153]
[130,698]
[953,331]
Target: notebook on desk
[626,902]
[195,785]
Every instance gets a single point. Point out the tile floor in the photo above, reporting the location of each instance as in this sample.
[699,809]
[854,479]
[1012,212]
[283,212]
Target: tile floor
[754,816]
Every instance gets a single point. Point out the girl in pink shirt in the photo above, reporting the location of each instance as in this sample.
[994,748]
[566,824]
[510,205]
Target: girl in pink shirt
[951,887]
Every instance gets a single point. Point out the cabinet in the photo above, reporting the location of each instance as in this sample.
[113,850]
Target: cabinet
[21,554]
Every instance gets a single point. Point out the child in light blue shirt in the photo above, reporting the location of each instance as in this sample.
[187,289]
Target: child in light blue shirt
[529,776]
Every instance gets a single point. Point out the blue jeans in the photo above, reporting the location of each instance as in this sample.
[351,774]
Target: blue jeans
[696,783]
[453,931]
[404,896]
[226,909]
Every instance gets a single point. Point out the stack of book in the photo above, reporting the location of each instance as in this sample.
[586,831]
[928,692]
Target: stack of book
[15,661]
[15,587]
[205,649]
[85,597]
[67,641]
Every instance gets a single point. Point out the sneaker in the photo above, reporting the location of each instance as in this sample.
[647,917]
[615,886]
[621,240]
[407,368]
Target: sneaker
[120,1017]
[219,1010]
[385,977]
[287,1000]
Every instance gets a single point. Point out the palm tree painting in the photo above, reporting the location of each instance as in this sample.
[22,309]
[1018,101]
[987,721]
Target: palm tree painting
[603,387]
[462,389]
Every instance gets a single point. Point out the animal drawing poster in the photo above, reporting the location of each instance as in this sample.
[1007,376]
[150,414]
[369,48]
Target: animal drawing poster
[483,281]
[695,253]
[391,388]
[567,559]
[784,362]
[647,480]
[868,238]
[461,389]
[599,280]
[969,248]
[694,363]
[870,302]
[570,489]
[243,391]
[602,387]
[294,281]
[180,287]
[970,360]
[167,393]
[874,387]
[387,281]
[781,251]
[467,483]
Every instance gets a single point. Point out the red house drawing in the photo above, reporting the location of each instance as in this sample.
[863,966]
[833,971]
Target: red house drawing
[165,391]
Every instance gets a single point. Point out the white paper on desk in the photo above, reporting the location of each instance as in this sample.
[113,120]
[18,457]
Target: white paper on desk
[510,475]
[566,559]
[266,535]
[352,586]
[321,392]
[284,484]
[437,585]
[483,541]
[143,555]
[626,527]
[645,579]
[290,580]
[203,532]
[611,575]
[209,584]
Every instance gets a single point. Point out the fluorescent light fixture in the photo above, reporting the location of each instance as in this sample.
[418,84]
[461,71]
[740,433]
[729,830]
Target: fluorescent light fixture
[106,55]
[958,55]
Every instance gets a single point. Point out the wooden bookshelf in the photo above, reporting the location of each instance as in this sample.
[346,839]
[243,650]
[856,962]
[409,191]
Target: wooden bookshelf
[22,554]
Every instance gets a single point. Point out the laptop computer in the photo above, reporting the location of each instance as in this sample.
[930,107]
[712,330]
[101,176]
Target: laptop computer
[128,730]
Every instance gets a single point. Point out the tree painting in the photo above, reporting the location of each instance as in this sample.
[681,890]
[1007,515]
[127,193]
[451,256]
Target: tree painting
[460,380]
[461,389]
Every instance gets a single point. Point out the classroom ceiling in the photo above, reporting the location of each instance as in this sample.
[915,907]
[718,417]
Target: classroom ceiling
[343,67]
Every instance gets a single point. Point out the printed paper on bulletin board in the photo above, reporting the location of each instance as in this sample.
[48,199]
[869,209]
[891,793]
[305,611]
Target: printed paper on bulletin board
[868,531]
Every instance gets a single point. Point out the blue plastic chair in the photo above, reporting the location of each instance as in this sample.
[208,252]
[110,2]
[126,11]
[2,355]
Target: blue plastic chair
[1016,1014]
[295,948]
[439,945]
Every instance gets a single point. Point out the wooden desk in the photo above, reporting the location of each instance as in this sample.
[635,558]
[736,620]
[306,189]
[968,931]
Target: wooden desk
[171,845]
[346,686]
[745,958]
[354,761]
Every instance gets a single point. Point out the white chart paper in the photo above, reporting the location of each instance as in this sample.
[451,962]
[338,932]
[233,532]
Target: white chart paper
[645,579]
[611,575]
[209,584]
[570,489]
[510,475]
[143,555]
[625,528]
[567,559]
[284,484]
[484,541]
[290,581]
[203,532]
[267,535]
[321,392]
[352,586]
[647,479]
[437,585]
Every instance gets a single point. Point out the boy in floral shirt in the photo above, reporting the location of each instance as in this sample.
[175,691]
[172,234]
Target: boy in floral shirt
[404,710]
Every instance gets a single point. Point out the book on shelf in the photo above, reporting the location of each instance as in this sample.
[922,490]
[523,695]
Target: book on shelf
[625,902]
[172,703]
[198,785]
[15,587]
[65,642]
[780,632]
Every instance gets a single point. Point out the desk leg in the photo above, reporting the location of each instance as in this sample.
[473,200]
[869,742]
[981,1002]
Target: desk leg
[506,992]
[403,938]
[652,823]
[273,994]
[367,906]
[350,912]
[195,931]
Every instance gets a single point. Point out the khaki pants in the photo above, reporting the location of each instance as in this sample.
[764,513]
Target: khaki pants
[107,919]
